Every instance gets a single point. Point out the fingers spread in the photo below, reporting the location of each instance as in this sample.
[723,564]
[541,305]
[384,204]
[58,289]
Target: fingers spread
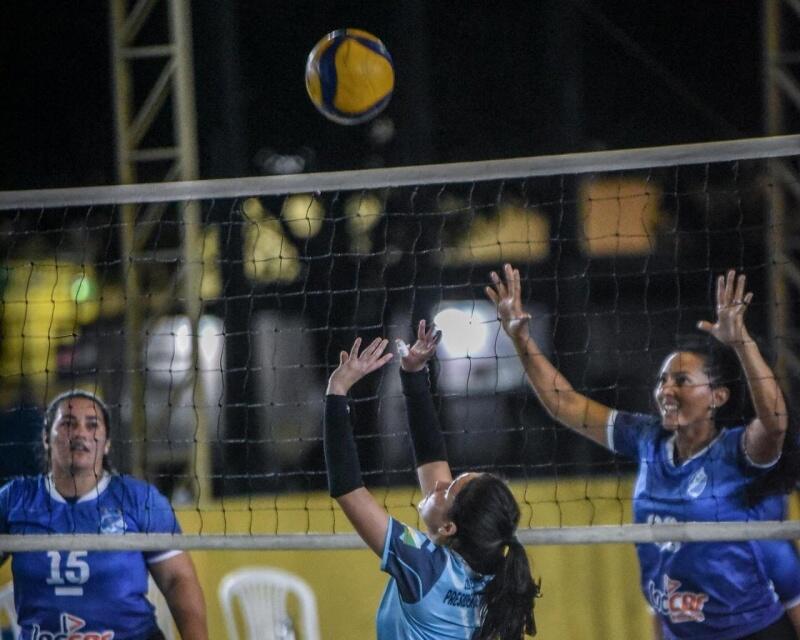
[740,283]
[499,286]
[705,325]
[730,280]
[375,348]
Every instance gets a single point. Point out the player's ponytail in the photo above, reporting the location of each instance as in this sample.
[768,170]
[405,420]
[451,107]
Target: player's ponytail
[486,516]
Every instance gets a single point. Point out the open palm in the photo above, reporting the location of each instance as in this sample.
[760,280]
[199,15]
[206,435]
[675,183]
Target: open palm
[732,302]
[416,357]
[508,300]
[354,365]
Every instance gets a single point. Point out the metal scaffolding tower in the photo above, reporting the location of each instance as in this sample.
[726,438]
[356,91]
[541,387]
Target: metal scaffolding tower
[151,49]
[781,24]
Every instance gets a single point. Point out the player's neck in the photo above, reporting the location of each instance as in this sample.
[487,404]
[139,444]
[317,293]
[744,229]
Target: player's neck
[691,439]
[75,484]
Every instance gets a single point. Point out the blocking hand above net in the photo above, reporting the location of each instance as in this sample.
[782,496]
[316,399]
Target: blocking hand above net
[455,580]
[694,464]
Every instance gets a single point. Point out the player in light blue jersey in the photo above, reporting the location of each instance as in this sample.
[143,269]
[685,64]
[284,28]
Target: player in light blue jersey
[690,467]
[467,577]
[91,595]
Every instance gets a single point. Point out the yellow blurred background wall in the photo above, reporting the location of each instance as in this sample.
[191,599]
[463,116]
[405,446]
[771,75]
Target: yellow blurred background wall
[589,592]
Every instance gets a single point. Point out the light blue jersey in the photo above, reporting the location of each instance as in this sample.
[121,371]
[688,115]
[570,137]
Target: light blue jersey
[432,593]
[718,590]
[83,595]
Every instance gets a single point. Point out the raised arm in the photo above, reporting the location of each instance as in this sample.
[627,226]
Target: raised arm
[765,433]
[430,454]
[341,458]
[562,402]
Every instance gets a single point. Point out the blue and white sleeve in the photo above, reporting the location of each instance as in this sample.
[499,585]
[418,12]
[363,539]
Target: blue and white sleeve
[158,517]
[627,431]
[412,560]
[782,564]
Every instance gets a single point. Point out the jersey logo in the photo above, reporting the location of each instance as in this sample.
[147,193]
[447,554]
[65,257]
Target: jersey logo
[412,538]
[111,521]
[71,630]
[680,606]
[668,546]
[697,483]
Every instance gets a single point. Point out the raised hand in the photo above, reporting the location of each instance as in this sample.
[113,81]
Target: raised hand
[416,357]
[732,302]
[354,365]
[507,297]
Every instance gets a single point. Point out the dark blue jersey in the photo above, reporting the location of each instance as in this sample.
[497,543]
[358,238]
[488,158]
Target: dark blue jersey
[718,590]
[84,594]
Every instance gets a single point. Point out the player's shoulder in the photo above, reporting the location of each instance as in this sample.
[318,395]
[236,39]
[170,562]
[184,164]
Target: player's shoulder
[132,488]
[730,440]
[24,485]
[732,434]
[22,491]
[640,426]
[629,420]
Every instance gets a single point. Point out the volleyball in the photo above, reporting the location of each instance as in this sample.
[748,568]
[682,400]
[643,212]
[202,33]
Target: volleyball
[349,76]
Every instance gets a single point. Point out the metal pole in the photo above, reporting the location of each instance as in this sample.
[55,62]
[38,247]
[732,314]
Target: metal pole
[126,172]
[775,236]
[193,236]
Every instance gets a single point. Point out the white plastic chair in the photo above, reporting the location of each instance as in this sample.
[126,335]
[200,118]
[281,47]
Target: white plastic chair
[163,616]
[261,595]
[8,614]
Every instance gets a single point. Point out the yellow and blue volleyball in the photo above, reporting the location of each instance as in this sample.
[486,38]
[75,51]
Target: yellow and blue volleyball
[349,76]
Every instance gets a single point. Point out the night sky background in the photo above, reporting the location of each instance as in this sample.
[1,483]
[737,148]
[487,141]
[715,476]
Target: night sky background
[473,81]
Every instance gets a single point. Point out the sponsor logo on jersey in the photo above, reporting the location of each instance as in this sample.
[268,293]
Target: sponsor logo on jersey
[668,546]
[697,483]
[111,521]
[461,599]
[71,630]
[680,606]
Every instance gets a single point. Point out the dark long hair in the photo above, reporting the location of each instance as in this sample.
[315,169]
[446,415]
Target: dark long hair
[486,516]
[52,412]
[723,369]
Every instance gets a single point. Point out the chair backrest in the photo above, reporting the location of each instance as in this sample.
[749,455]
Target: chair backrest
[163,615]
[8,613]
[260,595]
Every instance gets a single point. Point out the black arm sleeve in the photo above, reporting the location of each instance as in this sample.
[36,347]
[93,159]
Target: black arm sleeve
[341,456]
[423,421]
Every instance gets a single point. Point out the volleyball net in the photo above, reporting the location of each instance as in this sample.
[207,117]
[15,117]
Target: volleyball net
[209,315]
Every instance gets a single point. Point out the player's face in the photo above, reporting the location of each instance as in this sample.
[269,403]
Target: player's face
[683,391]
[78,438]
[435,507]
